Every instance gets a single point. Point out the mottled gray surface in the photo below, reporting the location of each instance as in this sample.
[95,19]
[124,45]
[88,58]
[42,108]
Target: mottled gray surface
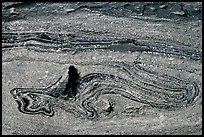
[41,40]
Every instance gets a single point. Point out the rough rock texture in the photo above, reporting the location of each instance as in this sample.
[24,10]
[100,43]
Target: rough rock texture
[137,67]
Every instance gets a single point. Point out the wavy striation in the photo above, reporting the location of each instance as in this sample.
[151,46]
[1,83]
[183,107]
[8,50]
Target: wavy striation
[56,42]
[144,86]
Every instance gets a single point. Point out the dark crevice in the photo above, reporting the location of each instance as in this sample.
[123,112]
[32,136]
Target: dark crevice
[71,86]
[109,109]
